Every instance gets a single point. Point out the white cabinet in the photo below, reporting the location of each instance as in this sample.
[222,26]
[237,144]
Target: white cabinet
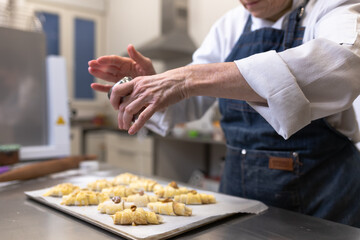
[95,144]
[130,153]
[76,141]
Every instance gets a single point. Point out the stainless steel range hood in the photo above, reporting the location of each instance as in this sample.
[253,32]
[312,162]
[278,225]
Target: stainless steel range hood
[174,47]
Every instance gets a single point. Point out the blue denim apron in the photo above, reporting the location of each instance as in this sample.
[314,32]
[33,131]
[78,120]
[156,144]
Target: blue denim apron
[316,171]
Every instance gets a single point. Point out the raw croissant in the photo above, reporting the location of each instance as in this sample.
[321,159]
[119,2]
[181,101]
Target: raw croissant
[136,216]
[120,191]
[170,208]
[84,198]
[141,199]
[195,198]
[125,179]
[171,190]
[112,206]
[99,185]
[61,190]
[145,184]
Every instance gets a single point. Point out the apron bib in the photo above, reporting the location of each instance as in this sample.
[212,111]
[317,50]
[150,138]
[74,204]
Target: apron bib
[316,171]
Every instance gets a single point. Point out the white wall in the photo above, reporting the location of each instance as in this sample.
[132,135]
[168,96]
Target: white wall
[203,13]
[135,21]
[138,21]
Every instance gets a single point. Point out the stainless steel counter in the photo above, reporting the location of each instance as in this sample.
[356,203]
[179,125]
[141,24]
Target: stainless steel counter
[22,218]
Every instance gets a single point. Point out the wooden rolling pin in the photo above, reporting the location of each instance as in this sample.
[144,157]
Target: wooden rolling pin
[44,168]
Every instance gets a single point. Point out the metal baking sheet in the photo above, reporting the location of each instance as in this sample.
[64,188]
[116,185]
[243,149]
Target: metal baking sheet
[171,226]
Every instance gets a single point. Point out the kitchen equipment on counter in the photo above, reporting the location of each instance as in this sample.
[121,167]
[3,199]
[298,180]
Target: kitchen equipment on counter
[9,154]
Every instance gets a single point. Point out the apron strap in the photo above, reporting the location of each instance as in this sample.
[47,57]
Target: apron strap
[301,10]
[292,27]
[248,24]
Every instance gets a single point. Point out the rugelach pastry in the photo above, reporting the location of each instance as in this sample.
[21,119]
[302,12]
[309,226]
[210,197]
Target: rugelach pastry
[171,190]
[61,190]
[84,198]
[141,199]
[119,191]
[169,207]
[125,179]
[136,216]
[194,197]
[114,205]
[99,185]
[147,185]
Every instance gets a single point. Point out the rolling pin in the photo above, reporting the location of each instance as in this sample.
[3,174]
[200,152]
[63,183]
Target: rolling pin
[44,168]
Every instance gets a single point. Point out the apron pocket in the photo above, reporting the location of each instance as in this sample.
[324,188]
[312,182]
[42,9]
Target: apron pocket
[269,176]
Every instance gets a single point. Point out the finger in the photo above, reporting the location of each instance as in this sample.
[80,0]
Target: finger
[111,70]
[93,63]
[114,60]
[119,91]
[120,117]
[135,55]
[119,66]
[143,117]
[103,75]
[104,68]
[131,109]
[100,87]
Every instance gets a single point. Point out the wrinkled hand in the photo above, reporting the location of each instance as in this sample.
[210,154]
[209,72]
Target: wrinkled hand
[146,95]
[113,68]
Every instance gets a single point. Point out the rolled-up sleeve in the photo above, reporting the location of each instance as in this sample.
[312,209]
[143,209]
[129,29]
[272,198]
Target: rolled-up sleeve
[314,80]
[288,108]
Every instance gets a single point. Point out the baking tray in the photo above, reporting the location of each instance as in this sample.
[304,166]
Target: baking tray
[173,225]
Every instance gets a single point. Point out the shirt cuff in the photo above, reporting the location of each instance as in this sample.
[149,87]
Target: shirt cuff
[287,110]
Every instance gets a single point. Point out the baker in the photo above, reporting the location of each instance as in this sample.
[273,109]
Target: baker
[286,73]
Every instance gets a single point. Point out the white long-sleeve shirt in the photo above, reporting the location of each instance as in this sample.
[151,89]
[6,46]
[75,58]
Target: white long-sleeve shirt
[319,79]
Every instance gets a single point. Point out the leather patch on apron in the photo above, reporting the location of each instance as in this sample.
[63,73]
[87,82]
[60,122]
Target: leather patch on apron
[279,163]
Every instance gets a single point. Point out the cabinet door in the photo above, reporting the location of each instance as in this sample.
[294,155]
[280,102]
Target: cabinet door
[76,141]
[77,34]
[51,27]
[84,51]
[130,153]
[95,144]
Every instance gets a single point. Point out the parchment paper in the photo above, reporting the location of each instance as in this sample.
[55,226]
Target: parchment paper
[172,225]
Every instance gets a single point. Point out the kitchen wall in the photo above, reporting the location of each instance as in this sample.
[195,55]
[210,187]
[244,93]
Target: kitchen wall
[134,22]
[203,13]
[138,21]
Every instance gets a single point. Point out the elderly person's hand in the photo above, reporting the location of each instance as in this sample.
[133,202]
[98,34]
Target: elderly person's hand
[113,68]
[145,95]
